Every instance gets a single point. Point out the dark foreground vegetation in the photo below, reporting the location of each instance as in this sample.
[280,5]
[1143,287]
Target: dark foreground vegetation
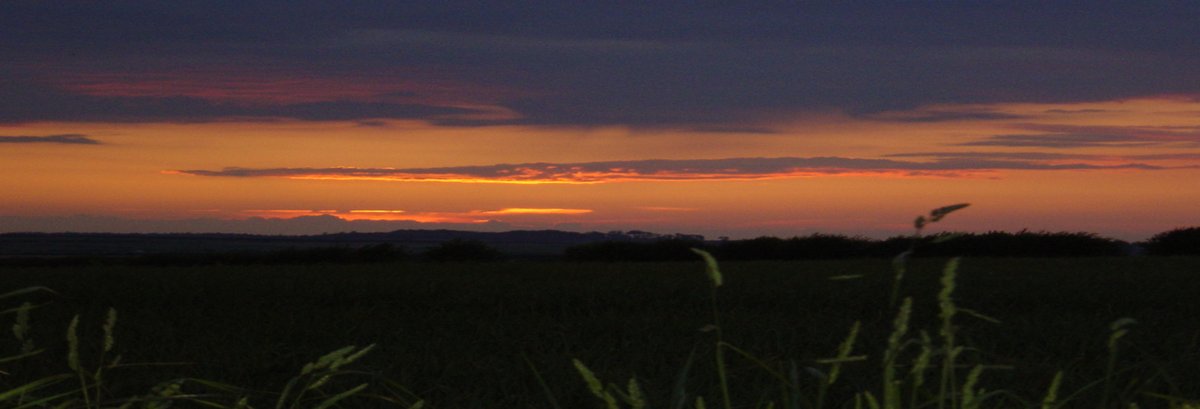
[825,246]
[449,246]
[472,335]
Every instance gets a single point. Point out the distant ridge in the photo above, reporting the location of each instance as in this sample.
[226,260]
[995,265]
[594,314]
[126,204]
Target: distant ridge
[519,243]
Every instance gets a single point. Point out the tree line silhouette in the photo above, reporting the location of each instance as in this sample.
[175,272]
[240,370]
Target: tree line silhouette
[826,246]
[651,247]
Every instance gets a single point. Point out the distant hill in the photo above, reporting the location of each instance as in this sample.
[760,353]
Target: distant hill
[520,243]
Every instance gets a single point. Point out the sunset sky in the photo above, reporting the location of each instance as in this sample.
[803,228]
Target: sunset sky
[309,117]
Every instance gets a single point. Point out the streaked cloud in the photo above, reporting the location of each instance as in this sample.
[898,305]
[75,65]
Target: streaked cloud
[289,223]
[529,210]
[34,103]
[465,217]
[1062,140]
[1049,156]
[922,116]
[1021,156]
[585,65]
[1168,133]
[70,139]
[1060,136]
[661,170]
[668,209]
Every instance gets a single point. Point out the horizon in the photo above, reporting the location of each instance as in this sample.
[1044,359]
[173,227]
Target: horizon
[303,226]
[730,121]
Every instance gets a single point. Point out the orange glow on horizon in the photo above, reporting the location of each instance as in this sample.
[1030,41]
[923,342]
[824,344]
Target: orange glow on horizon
[123,176]
[520,210]
[475,216]
[591,178]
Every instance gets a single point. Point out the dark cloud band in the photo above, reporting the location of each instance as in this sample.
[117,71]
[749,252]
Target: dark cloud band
[1074,136]
[648,65]
[70,139]
[660,170]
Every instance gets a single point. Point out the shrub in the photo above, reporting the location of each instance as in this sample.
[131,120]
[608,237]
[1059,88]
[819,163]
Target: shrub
[1027,244]
[816,246]
[1176,242]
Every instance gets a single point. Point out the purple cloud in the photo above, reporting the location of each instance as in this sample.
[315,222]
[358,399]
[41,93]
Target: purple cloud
[661,170]
[647,64]
[70,139]
[1063,141]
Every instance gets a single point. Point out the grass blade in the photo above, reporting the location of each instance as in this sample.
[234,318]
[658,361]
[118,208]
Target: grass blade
[332,400]
[541,381]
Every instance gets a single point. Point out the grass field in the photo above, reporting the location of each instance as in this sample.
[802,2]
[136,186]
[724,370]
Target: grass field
[466,335]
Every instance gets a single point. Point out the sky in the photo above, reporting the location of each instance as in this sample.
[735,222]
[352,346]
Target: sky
[304,117]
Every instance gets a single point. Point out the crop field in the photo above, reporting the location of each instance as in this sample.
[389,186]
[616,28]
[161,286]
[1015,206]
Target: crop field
[504,334]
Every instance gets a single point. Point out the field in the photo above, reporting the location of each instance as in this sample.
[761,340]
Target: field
[463,335]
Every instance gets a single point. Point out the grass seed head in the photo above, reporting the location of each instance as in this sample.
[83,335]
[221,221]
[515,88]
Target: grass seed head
[1052,393]
[73,345]
[939,213]
[21,328]
[714,272]
[110,322]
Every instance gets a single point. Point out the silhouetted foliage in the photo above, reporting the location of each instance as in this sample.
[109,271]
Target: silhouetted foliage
[826,246]
[816,246]
[463,250]
[1026,244]
[1177,242]
[671,249]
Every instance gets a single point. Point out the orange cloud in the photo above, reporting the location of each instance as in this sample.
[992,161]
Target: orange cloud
[668,209]
[474,216]
[523,210]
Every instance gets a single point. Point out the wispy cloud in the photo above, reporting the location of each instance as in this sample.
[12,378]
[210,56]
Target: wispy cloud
[280,223]
[1021,156]
[467,217]
[1075,136]
[584,65]
[1187,159]
[70,139]
[1062,140]
[923,116]
[534,210]
[658,170]
[1077,111]
[668,209]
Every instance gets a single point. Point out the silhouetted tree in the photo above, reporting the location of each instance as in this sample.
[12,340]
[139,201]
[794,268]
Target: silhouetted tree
[1023,244]
[826,246]
[760,248]
[815,246]
[1177,242]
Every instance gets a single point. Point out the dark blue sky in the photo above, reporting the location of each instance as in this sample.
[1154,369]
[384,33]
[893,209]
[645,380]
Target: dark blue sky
[571,63]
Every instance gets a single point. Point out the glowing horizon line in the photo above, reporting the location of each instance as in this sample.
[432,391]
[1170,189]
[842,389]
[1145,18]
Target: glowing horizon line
[471,216]
[537,210]
[593,179]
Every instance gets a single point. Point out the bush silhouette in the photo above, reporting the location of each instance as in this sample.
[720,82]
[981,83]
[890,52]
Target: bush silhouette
[1177,242]
[827,246]
[673,249]
[816,246]
[1026,244]
[463,250]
